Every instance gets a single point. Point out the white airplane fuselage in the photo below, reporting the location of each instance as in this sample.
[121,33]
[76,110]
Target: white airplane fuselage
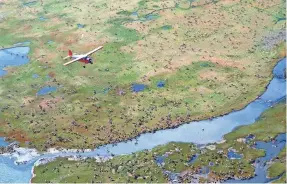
[85,59]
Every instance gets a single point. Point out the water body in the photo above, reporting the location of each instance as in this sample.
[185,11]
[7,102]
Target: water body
[2,142]
[151,17]
[172,176]
[31,3]
[81,25]
[148,17]
[50,42]
[138,87]
[278,19]
[35,76]
[233,155]
[46,90]
[106,90]
[204,170]
[134,14]
[193,158]
[15,56]
[160,84]
[272,149]
[215,129]
[249,138]
[279,70]
[43,18]
[160,160]
[11,173]
[167,27]
[26,43]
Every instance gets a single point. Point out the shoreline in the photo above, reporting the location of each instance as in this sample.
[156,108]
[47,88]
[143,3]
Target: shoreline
[153,125]
[33,174]
[31,154]
[64,150]
[255,164]
[176,123]
[219,74]
[88,150]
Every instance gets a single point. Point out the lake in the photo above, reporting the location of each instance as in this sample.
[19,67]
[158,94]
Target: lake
[214,130]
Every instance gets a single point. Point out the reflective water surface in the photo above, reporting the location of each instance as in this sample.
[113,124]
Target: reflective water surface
[214,130]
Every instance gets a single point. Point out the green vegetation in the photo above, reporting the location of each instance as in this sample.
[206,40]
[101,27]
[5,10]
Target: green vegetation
[138,167]
[166,27]
[177,156]
[282,179]
[264,129]
[278,166]
[276,169]
[211,58]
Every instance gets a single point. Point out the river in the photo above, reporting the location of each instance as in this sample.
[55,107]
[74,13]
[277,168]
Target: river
[214,130]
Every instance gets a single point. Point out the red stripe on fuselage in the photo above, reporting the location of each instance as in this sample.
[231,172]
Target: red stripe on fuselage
[84,60]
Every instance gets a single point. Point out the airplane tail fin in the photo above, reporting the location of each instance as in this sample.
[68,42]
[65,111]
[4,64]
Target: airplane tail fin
[70,53]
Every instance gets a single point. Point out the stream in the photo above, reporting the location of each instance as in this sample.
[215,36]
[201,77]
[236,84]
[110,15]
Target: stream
[214,129]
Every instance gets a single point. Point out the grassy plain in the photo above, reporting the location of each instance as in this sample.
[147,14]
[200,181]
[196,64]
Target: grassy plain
[141,166]
[278,166]
[212,56]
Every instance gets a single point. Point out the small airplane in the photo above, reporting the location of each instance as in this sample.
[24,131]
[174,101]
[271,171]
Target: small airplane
[84,58]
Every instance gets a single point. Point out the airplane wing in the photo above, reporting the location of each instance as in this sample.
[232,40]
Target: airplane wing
[95,50]
[66,57]
[77,59]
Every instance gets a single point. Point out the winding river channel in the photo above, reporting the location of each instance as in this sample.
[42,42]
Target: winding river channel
[214,129]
